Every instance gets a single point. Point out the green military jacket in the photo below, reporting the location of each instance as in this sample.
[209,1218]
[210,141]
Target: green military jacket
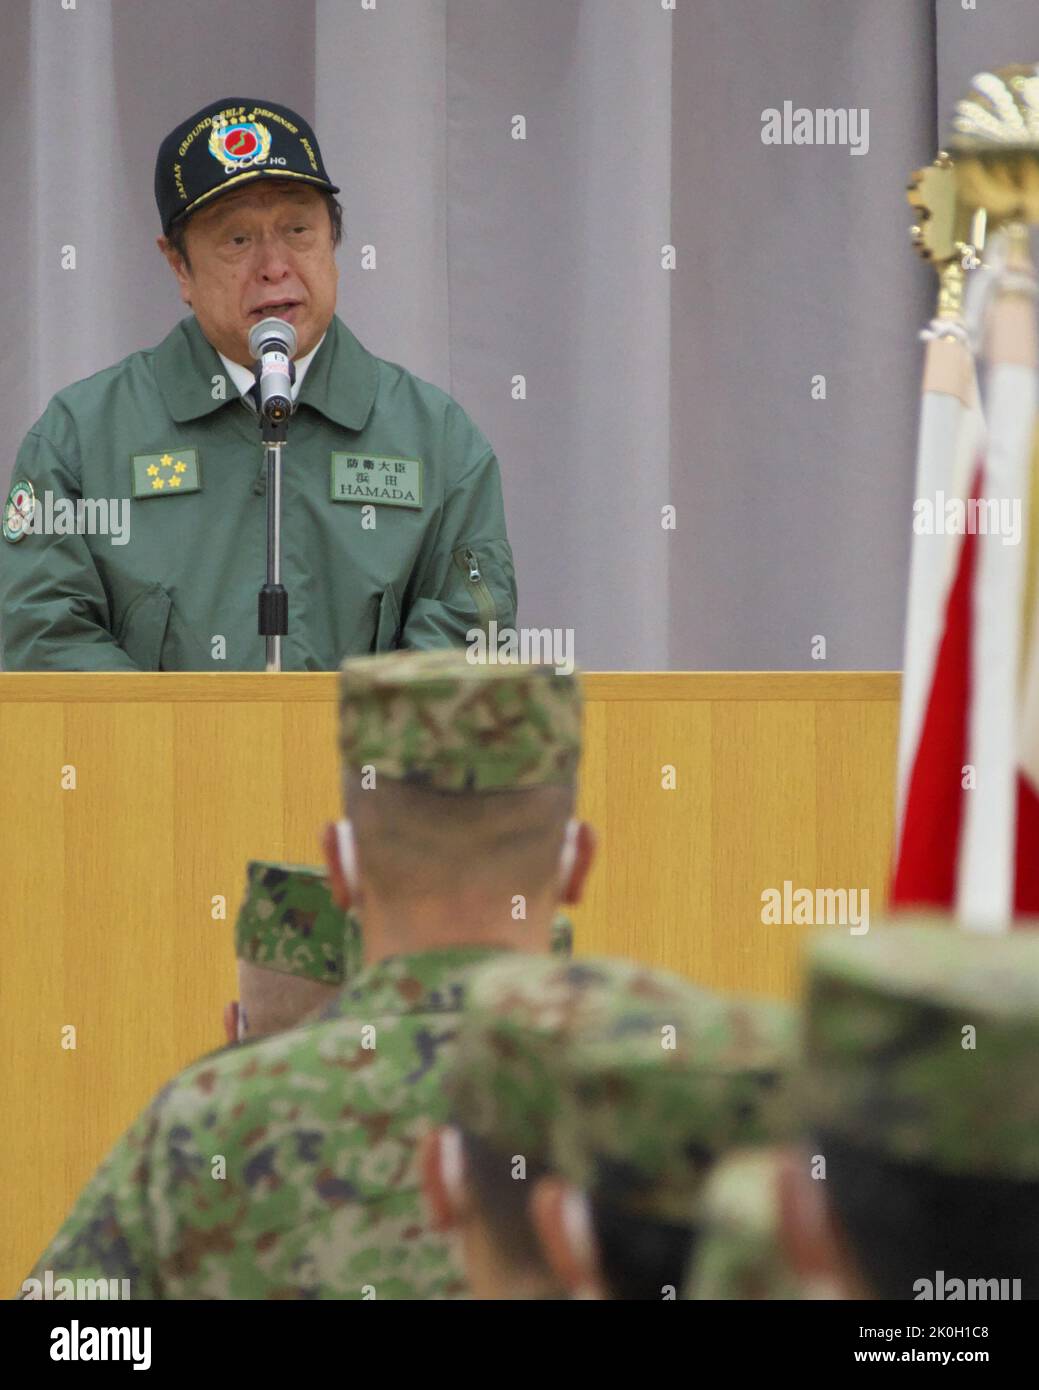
[165,435]
[286,1168]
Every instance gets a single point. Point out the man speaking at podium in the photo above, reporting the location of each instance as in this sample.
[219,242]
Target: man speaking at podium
[393,529]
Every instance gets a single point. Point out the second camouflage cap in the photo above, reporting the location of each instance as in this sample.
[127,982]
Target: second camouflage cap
[628,1081]
[438,720]
[289,923]
[921,1044]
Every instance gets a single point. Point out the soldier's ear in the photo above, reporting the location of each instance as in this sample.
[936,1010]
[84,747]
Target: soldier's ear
[337,841]
[442,1165]
[562,1221]
[231,1021]
[575,859]
[808,1234]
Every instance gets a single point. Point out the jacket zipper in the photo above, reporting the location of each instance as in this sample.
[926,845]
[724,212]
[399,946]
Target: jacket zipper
[469,565]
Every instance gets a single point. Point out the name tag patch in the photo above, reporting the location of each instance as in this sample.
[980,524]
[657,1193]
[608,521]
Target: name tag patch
[169,474]
[386,482]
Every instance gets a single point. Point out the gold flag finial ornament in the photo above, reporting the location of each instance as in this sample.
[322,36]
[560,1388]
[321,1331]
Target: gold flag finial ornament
[1002,111]
[947,233]
[995,144]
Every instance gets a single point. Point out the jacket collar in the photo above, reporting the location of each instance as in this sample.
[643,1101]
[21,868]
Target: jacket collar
[423,982]
[340,381]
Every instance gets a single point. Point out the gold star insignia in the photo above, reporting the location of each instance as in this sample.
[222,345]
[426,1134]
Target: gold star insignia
[174,482]
[180,467]
[153,472]
[158,482]
[166,460]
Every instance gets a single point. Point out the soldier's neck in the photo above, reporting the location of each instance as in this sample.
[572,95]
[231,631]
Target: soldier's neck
[393,931]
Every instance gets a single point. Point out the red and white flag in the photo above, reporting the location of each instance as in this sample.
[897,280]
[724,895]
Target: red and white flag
[965,759]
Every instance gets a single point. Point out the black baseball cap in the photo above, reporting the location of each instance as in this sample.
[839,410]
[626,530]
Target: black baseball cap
[225,145]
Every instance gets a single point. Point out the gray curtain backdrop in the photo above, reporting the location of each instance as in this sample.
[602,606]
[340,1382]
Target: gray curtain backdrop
[646,387]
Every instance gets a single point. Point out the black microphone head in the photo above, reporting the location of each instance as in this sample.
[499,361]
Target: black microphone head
[272,334]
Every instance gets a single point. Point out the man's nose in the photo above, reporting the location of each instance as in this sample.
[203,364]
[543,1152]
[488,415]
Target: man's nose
[273,259]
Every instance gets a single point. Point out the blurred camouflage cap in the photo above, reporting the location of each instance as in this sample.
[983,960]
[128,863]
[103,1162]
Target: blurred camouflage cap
[627,1080]
[437,719]
[289,923]
[921,1043]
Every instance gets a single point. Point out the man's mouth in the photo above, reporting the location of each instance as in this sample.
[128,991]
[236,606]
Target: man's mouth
[284,310]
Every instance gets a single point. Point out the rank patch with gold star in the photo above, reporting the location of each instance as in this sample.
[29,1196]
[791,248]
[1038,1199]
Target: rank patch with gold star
[169,474]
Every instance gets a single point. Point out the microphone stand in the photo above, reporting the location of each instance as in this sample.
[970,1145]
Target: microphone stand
[274,600]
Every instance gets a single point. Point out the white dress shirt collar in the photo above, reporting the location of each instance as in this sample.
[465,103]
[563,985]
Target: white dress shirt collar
[244,379]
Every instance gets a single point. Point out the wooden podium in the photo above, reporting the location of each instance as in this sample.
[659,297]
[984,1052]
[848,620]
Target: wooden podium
[132,803]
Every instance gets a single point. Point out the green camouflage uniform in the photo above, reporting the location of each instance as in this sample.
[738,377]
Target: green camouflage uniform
[628,1081]
[286,1168]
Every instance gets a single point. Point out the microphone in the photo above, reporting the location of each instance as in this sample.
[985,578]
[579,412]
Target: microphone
[272,343]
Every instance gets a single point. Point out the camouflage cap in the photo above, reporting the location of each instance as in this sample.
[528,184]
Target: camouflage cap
[288,923]
[437,719]
[627,1080]
[921,1044]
